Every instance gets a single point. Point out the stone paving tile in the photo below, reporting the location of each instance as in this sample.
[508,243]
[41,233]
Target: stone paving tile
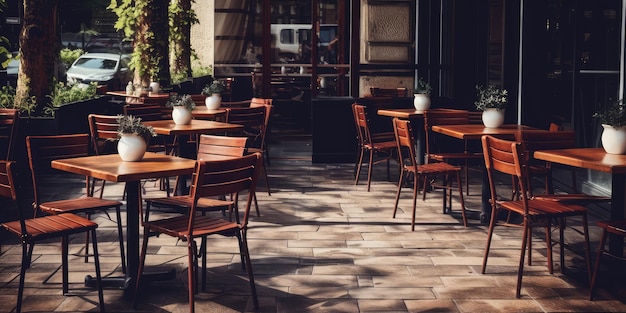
[323,244]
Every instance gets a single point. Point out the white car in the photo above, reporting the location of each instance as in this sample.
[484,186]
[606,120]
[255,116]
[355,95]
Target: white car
[103,68]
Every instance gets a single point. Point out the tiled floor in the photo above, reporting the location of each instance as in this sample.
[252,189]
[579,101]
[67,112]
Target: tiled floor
[323,244]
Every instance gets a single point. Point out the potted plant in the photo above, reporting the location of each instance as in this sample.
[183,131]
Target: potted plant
[133,137]
[422,95]
[613,120]
[213,91]
[492,101]
[182,105]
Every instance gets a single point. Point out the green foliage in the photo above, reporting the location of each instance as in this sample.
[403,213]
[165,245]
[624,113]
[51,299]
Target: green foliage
[7,100]
[613,114]
[422,86]
[68,56]
[199,70]
[215,87]
[490,97]
[181,101]
[129,124]
[63,93]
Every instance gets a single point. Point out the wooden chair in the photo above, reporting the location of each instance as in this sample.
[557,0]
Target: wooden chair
[44,149]
[388,92]
[211,178]
[254,120]
[9,119]
[617,228]
[534,140]
[211,148]
[372,143]
[32,230]
[508,157]
[409,166]
[437,150]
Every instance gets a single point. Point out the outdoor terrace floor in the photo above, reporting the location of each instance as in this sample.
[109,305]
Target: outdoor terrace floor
[323,244]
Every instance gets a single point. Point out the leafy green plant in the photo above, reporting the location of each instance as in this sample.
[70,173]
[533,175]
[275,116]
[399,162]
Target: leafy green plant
[7,100]
[215,87]
[422,86]
[491,97]
[129,124]
[68,56]
[63,93]
[613,114]
[181,101]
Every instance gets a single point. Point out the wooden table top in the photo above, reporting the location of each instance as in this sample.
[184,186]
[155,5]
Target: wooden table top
[590,158]
[202,111]
[168,127]
[401,113]
[146,95]
[476,131]
[110,167]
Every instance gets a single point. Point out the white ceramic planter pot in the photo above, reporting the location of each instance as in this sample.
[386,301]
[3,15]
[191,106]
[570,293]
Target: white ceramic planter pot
[421,101]
[181,115]
[155,88]
[614,139]
[493,118]
[213,101]
[131,147]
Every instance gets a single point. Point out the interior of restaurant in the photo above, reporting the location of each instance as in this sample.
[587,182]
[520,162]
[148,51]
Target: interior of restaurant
[559,60]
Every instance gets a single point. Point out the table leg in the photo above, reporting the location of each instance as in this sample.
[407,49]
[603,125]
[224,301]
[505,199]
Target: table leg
[618,199]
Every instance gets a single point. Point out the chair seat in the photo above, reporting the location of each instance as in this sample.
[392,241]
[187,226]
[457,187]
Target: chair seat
[186,202]
[455,155]
[544,208]
[78,204]
[203,225]
[437,167]
[52,226]
[381,145]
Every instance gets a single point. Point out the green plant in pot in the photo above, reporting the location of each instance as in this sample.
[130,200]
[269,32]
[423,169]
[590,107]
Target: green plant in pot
[613,120]
[182,105]
[492,101]
[213,91]
[421,95]
[133,137]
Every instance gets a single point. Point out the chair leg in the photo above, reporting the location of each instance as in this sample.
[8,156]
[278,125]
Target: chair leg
[267,180]
[400,182]
[492,225]
[96,261]
[25,265]
[370,165]
[358,166]
[549,249]
[64,252]
[142,261]
[203,255]
[587,246]
[415,186]
[120,235]
[461,199]
[520,271]
[596,267]
[244,248]
[190,274]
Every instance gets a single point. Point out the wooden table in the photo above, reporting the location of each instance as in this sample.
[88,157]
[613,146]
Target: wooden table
[475,132]
[202,112]
[111,168]
[598,160]
[401,113]
[168,127]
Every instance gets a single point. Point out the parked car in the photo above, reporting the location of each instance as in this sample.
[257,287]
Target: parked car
[103,68]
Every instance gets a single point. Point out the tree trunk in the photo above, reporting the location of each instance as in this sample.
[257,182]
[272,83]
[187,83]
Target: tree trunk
[152,38]
[182,18]
[38,49]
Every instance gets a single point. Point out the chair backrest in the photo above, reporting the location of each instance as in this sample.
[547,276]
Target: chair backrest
[475,117]
[260,101]
[253,121]
[388,92]
[362,124]
[507,157]
[146,112]
[441,117]
[222,177]
[42,150]
[404,139]
[542,139]
[198,99]
[8,189]
[103,130]
[9,119]
[554,127]
[213,147]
